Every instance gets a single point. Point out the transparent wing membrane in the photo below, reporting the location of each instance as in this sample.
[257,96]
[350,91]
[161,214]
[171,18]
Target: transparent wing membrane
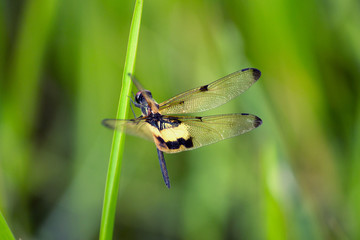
[212,95]
[207,130]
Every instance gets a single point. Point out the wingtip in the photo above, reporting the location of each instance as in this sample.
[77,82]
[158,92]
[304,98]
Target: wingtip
[255,72]
[257,122]
[103,122]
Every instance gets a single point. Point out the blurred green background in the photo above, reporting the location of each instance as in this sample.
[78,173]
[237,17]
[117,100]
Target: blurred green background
[295,177]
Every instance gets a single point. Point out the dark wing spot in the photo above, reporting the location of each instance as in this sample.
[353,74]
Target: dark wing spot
[173,144]
[105,123]
[188,143]
[245,114]
[204,88]
[257,122]
[200,118]
[181,102]
[180,141]
[161,141]
[256,74]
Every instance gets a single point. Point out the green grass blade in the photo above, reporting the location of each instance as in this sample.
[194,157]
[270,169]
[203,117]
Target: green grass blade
[5,231]
[114,170]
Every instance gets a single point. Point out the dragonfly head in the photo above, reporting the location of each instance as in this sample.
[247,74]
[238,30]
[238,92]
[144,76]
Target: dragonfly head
[140,99]
[145,102]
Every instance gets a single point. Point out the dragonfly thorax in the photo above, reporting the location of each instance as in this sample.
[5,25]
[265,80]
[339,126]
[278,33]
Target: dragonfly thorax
[158,121]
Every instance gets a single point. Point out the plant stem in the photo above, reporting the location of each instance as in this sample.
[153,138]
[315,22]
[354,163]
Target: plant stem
[117,149]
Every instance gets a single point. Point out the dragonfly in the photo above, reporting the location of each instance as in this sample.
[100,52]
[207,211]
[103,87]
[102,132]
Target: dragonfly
[173,133]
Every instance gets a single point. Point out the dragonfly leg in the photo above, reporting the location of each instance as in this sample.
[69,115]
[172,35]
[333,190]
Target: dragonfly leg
[132,109]
[163,167]
[135,104]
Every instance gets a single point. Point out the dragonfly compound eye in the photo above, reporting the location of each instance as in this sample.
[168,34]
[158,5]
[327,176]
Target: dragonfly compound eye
[139,97]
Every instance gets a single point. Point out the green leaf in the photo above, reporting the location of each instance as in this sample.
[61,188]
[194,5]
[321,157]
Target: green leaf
[5,231]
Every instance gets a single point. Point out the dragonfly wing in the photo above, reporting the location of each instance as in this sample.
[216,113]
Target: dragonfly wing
[136,127]
[212,95]
[194,132]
